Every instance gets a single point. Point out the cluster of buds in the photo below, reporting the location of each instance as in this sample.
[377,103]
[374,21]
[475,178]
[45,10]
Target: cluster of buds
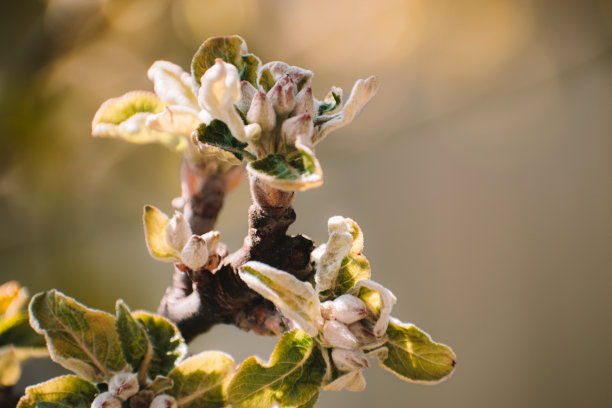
[124,388]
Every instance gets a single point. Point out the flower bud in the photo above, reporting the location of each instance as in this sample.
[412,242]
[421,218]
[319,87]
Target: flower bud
[348,309]
[212,241]
[298,129]
[262,112]
[106,400]
[362,333]
[178,231]
[282,96]
[305,103]
[123,385]
[164,401]
[349,360]
[195,253]
[337,334]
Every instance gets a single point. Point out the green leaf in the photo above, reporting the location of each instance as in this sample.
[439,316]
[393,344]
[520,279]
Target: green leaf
[60,392]
[166,341]
[202,380]
[414,357]
[17,331]
[217,134]
[291,378]
[295,299]
[10,369]
[80,339]
[331,102]
[230,49]
[155,224]
[126,117]
[297,171]
[134,341]
[311,402]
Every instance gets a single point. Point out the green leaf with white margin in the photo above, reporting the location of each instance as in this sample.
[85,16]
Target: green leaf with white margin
[155,224]
[291,378]
[202,380]
[126,117]
[60,392]
[80,339]
[135,344]
[231,49]
[331,103]
[295,299]
[217,134]
[166,340]
[414,357]
[297,171]
[10,369]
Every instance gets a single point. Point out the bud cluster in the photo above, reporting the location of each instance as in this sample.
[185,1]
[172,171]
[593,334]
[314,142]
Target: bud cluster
[196,251]
[124,388]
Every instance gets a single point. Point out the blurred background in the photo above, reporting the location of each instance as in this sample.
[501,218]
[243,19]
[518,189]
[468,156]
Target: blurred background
[480,173]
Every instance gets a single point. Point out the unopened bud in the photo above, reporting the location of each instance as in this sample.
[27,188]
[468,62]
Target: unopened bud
[262,112]
[164,401]
[305,103]
[123,385]
[106,400]
[337,334]
[248,92]
[337,223]
[178,231]
[195,253]
[349,360]
[282,96]
[298,129]
[362,333]
[348,309]
[212,241]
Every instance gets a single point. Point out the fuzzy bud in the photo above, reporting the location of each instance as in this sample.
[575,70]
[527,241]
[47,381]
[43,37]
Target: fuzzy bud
[305,103]
[262,112]
[195,253]
[282,96]
[212,241]
[348,309]
[337,334]
[178,231]
[123,385]
[298,129]
[106,400]
[349,360]
[362,333]
[164,401]
[247,91]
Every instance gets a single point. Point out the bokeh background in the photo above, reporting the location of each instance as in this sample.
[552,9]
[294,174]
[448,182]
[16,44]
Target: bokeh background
[480,173]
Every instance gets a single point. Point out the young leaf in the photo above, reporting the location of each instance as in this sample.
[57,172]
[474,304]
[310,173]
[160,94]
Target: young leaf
[295,299]
[167,344]
[230,49]
[135,344]
[80,339]
[294,172]
[60,392]
[202,380]
[10,369]
[331,102]
[16,330]
[155,224]
[217,134]
[126,117]
[291,378]
[414,357]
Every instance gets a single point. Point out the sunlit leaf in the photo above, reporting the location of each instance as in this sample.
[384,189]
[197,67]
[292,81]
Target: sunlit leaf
[202,380]
[68,391]
[17,331]
[80,339]
[291,378]
[155,224]
[12,299]
[134,341]
[295,299]
[217,134]
[167,344]
[231,49]
[414,357]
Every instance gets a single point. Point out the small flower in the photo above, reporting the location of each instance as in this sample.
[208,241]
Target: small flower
[164,401]
[123,385]
[106,400]
[346,309]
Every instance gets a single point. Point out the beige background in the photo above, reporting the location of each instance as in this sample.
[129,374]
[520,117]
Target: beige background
[480,173]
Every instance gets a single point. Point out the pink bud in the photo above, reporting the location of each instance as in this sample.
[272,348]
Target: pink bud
[349,360]
[262,112]
[337,334]
[282,96]
[305,103]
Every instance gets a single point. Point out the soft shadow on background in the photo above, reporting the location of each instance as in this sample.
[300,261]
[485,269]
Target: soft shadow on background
[480,173]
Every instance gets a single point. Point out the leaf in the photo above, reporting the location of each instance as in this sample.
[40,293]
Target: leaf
[126,117]
[134,341]
[291,378]
[217,134]
[311,402]
[202,380]
[230,49]
[331,102]
[80,339]
[17,331]
[295,299]
[155,224]
[271,72]
[173,85]
[298,171]
[12,298]
[10,369]
[166,341]
[414,357]
[60,392]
